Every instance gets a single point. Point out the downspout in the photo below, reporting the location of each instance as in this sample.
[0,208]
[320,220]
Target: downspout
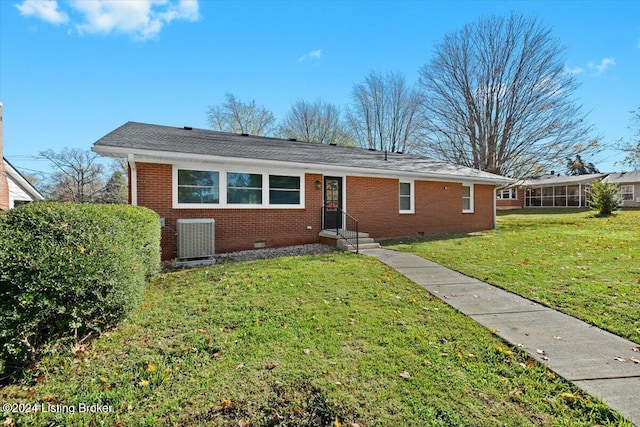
[495,206]
[133,180]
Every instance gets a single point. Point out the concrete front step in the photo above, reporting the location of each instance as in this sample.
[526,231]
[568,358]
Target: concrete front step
[331,234]
[340,243]
[364,241]
[361,246]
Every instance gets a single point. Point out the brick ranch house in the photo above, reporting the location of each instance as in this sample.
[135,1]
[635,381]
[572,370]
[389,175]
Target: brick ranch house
[270,192]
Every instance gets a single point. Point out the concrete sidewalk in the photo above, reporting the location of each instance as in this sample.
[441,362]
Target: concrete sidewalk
[595,360]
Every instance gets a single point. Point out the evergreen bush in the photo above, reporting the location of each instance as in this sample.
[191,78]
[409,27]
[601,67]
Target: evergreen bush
[605,198]
[69,269]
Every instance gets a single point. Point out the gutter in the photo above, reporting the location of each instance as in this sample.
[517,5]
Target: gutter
[133,179]
[174,158]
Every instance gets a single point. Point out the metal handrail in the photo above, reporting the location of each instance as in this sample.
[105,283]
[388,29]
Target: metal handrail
[350,236]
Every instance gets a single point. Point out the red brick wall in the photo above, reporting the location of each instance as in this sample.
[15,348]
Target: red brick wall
[235,229]
[438,208]
[373,201]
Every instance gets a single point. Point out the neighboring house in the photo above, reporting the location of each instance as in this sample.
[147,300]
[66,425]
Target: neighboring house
[511,197]
[629,183]
[20,190]
[557,191]
[269,192]
[14,188]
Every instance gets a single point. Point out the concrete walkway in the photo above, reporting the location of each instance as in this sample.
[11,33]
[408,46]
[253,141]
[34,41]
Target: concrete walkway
[602,364]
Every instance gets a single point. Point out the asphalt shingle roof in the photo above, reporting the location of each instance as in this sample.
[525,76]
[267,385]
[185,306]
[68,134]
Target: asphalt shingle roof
[133,137]
[548,180]
[624,177]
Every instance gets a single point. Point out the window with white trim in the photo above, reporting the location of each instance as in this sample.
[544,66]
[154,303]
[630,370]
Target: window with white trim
[197,186]
[467,198]
[626,191]
[284,190]
[406,197]
[508,194]
[244,188]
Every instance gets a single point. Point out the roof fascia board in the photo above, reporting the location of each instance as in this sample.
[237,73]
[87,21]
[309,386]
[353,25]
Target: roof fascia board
[153,156]
[22,182]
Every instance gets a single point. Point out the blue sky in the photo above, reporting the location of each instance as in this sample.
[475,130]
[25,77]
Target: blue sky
[72,71]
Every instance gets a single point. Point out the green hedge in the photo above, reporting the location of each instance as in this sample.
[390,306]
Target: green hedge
[68,269]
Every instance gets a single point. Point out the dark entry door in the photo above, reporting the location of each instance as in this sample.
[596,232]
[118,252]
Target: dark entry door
[332,202]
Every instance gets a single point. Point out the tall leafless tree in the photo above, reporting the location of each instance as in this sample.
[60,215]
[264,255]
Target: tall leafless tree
[383,113]
[631,147]
[499,99]
[316,121]
[77,176]
[236,116]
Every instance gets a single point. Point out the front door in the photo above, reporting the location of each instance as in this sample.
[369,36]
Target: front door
[332,203]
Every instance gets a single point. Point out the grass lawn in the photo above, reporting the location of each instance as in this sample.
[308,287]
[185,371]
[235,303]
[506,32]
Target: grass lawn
[585,266]
[335,339]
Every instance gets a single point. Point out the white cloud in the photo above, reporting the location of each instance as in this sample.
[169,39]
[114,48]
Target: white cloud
[46,10]
[314,54]
[143,19]
[574,70]
[602,66]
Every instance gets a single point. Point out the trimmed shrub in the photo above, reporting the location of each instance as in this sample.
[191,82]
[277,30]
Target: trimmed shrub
[69,269]
[605,197]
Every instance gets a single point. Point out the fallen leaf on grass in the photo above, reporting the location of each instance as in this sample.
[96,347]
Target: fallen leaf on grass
[516,392]
[149,367]
[240,366]
[143,383]
[405,375]
[225,403]
[306,351]
[271,366]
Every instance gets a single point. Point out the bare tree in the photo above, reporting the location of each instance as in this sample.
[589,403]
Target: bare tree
[499,99]
[236,116]
[315,122]
[78,176]
[383,114]
[631,147]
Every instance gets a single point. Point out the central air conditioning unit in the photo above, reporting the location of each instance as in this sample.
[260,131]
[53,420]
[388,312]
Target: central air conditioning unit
[196,238]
